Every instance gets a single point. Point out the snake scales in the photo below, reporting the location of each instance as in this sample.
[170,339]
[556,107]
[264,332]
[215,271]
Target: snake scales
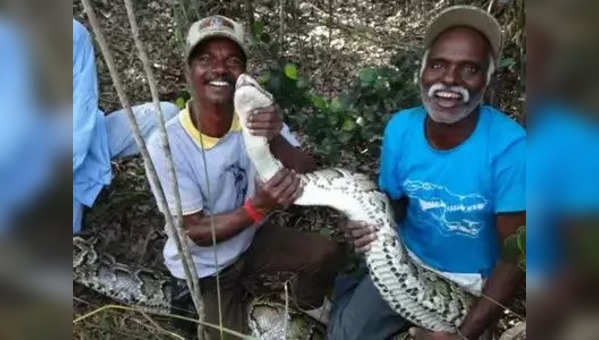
[150,290]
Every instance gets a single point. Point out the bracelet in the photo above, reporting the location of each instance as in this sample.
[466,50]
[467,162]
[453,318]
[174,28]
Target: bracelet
[254,214]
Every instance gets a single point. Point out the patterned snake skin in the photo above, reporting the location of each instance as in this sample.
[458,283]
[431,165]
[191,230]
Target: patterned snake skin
[150,290]
[417,294]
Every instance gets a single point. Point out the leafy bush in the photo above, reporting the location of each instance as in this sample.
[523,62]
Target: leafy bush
[352,121]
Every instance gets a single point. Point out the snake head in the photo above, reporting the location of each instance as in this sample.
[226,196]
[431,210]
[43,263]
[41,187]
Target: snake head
[245,79]
[249,96]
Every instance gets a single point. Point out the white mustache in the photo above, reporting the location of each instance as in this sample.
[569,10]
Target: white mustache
[457,89]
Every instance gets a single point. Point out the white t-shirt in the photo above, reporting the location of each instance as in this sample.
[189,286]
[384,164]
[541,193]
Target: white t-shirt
[231,178]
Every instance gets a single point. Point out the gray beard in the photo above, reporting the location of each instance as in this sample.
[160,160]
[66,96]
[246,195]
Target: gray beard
[442,117]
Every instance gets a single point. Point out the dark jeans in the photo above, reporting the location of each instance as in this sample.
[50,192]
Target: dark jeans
[359,311]
[312,259]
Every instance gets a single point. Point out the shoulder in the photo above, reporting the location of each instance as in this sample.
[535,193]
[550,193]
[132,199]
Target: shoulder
[173,130]
[504,134]
[405,120]
[502,126]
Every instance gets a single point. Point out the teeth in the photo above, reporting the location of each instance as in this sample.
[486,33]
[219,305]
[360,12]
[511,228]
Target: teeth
[447,94]
[219,83]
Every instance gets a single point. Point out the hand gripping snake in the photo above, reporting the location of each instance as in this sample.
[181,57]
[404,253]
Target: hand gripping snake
[416,293]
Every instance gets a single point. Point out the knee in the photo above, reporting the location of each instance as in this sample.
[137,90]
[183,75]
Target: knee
[328,253]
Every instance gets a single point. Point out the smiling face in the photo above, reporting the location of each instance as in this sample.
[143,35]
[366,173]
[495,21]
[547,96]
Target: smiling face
[454,77]
[214,67]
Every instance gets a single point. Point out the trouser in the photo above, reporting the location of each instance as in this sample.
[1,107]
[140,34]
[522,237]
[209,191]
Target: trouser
[359,311]
[121,142]
[310,259]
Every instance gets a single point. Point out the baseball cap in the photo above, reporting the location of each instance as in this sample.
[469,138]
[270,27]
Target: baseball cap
[468,16]
[212,27]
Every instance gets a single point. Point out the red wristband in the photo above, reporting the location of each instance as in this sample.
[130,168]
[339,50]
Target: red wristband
[254,214]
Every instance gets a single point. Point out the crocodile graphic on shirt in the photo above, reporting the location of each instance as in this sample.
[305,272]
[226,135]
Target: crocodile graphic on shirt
[452,213]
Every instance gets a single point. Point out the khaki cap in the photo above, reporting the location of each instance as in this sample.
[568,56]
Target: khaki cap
[212,27]
[467,16]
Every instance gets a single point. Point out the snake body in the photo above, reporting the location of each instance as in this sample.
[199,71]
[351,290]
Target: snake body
[150,291]
[416,293]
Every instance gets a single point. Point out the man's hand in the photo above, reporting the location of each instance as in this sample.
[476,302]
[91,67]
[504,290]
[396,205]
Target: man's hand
[359,234]
[421,334]
[265,122]
[281,190]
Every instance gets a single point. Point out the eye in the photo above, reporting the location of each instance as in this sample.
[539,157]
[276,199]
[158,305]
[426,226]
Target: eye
[234,62]
[471,69]
[435,65]
[204,60]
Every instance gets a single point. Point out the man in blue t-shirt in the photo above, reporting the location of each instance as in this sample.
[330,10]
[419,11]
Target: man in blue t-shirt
[455,170]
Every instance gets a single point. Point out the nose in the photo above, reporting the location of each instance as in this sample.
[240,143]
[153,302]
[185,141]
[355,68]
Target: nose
[219,68]
[450,76]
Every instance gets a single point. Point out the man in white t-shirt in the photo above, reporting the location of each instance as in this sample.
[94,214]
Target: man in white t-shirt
[247,244]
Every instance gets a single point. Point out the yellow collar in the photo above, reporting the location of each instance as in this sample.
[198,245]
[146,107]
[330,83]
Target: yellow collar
[196,135]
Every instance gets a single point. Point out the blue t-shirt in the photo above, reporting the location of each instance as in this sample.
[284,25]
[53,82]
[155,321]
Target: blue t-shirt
[562,175]
[454,194]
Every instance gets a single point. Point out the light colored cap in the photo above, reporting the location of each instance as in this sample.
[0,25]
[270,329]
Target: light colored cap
[212,27]
[467,16]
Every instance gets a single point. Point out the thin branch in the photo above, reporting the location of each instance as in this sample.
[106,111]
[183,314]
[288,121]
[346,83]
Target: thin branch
[285,324]
[173,316]
[281,25]
[212,228]
[160,328]
[490,7]
[177,232]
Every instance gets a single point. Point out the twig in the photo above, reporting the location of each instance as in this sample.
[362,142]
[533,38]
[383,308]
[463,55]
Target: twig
[148,328]
[174,316]
[490,7]
[177,231]
[155,324]
[502,306]
[212,228]
[281,25]
[285,323]
[81,300]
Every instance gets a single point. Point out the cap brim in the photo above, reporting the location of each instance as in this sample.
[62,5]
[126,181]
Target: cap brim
[466,16]
[218,34]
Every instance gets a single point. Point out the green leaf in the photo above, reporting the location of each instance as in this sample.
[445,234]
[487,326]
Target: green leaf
[336,105]
[319,102]
[302,83]
[291,71]
[263,79]
[180,103]
[348,124]
[258,29]
[345,137]
[505,62]
[333,119]
[522,239]
[367,76]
